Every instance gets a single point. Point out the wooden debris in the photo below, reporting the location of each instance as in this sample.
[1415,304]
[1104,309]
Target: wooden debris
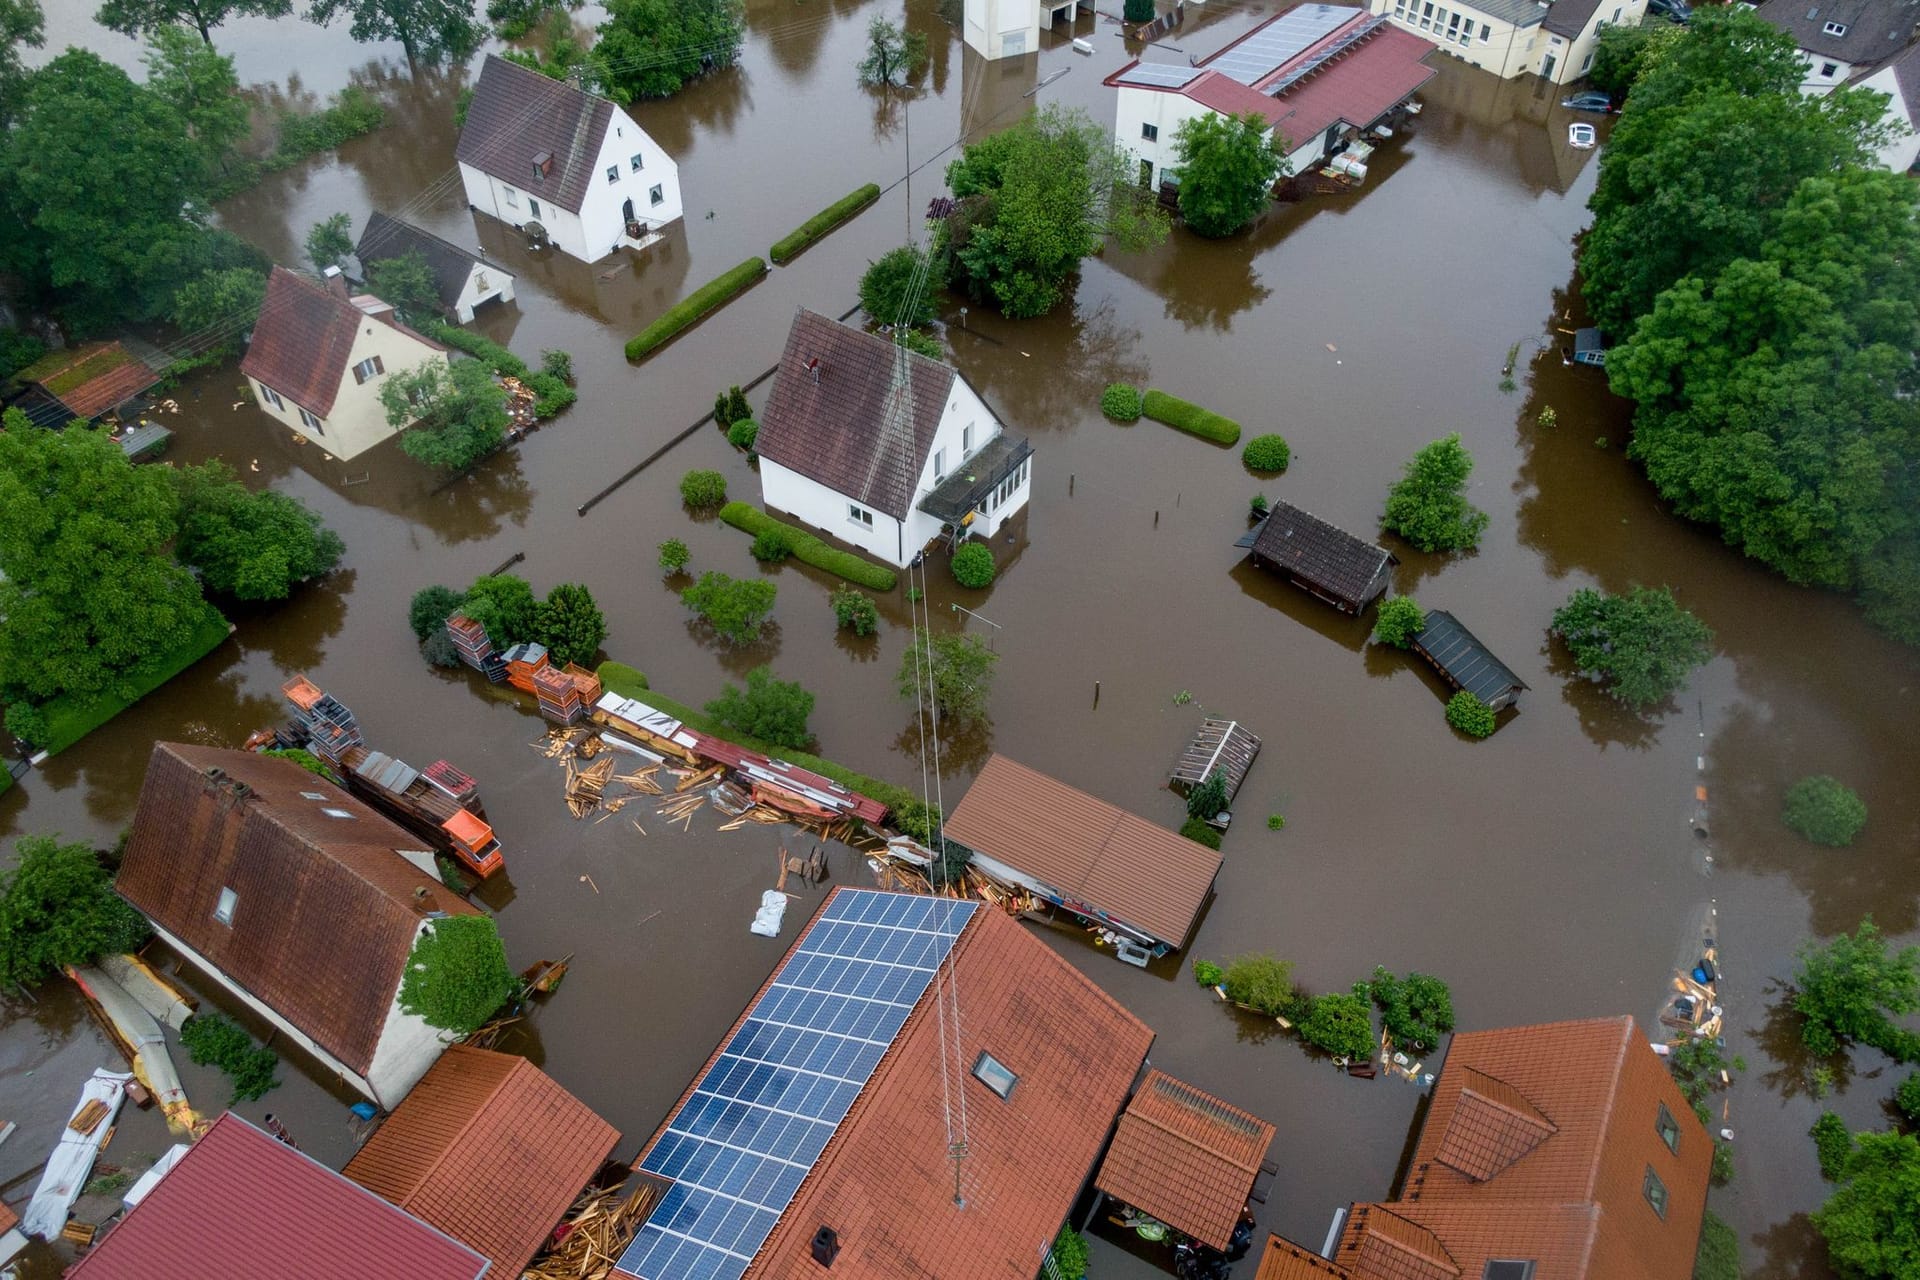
[88,1118]
[598,1228]
[705,775]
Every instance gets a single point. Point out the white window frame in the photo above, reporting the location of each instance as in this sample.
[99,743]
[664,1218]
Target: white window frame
[513,196]
[636,162]
[1150,133]
[966,441]
[272,397]
[657,196]
[613,174]
[939,464]
[223,909]
[1835,29]
[859,515]
[311,422]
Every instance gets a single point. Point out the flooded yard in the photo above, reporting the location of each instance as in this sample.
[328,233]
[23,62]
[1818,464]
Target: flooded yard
[1548,872]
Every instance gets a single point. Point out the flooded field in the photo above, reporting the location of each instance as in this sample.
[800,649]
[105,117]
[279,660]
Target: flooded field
[1547,872]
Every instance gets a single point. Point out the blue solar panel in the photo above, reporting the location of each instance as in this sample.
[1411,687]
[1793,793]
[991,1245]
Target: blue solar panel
[744,1141]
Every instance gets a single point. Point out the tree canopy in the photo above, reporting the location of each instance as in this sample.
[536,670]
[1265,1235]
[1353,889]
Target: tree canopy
[569,623]
[654,48]
[203,90]
[1852,987]
[147,17]
[1872,1223]
[58,907]
[22,26]
[951,673]
[253,546]
[887,292]
[894,56]
[408,283]
[458,413]
[736,609]
[1623,53]
[1035,199]
[429,30]
[330,240]
[772,710]
[1824,810]
[457,975]
[216,307]
[1227,169]
[1640,645]
[1428,505]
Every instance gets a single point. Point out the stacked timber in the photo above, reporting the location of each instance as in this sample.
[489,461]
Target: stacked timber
[475,647]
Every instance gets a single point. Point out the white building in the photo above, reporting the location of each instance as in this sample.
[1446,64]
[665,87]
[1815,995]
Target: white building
[1011,28]
[463,280]
[1899,79]
[849,450]
[296,898]
[1320,74]
[563,164]
[1516,37]
[1839,38]
[320,355]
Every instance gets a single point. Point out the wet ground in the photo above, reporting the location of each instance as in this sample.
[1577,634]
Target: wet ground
[1547,872]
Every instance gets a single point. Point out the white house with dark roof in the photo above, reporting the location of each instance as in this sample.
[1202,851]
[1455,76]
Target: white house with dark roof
[1838,38]
[882,448]
[462,279]
[540,153]
[1899,78]
[1516,37]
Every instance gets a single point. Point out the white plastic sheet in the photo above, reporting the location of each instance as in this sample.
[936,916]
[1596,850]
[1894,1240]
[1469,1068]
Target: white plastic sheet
[72,1158]
[773,908]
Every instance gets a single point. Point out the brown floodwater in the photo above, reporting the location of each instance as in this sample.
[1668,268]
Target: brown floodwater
[1547,872]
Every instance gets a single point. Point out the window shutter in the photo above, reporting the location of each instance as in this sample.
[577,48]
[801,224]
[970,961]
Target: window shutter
[379,366]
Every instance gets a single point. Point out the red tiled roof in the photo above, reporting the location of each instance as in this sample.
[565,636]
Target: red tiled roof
[304,339]
[830,424]
[1358,88]
[517,114]
[488,1148]
[1095,853]
[1572,1199]
[1285,1260]
[1390,1247]
[241,1205]
[1185,1157]
[324,914]
[89,380]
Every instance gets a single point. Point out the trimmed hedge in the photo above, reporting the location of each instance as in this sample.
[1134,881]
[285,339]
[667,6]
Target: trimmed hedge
[973,565]
[551,393]
[1200,831]
[1189,417]
[1121,402]
[695,306]
[809,549]
[791,246]
[71,717]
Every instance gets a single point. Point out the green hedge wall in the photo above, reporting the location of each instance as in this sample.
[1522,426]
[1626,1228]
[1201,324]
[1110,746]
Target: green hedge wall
[809,549]
[1176,412]
[694,307]
[790,246]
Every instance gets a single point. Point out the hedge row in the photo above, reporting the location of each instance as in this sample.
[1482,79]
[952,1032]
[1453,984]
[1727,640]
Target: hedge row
[617,678]
[66,719]
[791,246]
[694,307]
[809,549]
[550,394]
[1204,423]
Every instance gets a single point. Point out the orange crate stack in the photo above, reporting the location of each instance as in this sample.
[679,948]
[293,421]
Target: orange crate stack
[559,695]
[523,660]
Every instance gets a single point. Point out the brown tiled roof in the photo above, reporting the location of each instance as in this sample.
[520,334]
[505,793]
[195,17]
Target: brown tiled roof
[1874,29]
[1390,1247]
[1095,853]
[324,914]
[241,1205]
[1285,1260]
[517,115]
[1573,1199]
[488,1148]
[386,237]
[1185,1157]
[1320,554]
[885,1181]
[90,380]
[302,340]
[830,424]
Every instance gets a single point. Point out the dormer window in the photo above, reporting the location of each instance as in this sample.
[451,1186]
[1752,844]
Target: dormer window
[542,166]
[1835,28]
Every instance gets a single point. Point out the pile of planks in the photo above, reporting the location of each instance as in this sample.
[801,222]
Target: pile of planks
[681,809]
[598,1228]
[585,786]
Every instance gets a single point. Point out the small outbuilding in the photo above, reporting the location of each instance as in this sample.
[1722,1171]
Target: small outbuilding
[461,278]
[1589,347]
[80,383]
[1347,572]
[1464,663]
[1223,745]
[1185,1157]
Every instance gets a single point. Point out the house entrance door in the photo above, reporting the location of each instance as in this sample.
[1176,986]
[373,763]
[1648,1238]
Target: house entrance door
[1546,68]
[626,212]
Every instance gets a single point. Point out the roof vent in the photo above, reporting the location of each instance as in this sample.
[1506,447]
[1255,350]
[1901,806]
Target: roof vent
[420,893]
[826,1246]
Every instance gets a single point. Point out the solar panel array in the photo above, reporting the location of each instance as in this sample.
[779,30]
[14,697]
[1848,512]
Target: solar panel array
[1326,55]
[1288,36]
[760,1116]
[1158,75]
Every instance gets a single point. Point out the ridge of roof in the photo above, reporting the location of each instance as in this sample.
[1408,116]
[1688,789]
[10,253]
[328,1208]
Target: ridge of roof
[1623,1025]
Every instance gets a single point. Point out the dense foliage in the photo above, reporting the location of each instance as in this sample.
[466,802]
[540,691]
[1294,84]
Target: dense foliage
[894,291]
[1832,1143]
[1033,201]
[1258,981]
[691,309]
[408,283]
[1428,505]
[58,907]
[214,1040]
[735,609]
[1190,417]
[1121,402]
[429,30]
[1227,165]
[551,392]
[1398,620]
[146,17]
[569,624]
[743,434]
[1268,454]
[855,611]
[247,544]
[1718,1257]
[448,416]
[1138,11]
[1640,646]
[1208,797]
[1623,53]
[674,555]
[220,305]
[1342,1024]
[950,675]
[1207,973]
[918,819]
[505,605]
[1200,831]
[809,549]
[894,55]
[730,406]
[771,710]
[1467,713]
[1416,1010]
[703,490]
[789,246]
[653,48]
[1069,1255]
[1870,1224]
[430,608]
[772,545]
[1825,811]
[1852,988]
[330,241]
[457,975]
[972,564]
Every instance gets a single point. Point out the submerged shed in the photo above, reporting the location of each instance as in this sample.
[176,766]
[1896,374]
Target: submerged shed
[1185,1157]
[1219,744]
[1347,572]
[1464,663]
[1589,347]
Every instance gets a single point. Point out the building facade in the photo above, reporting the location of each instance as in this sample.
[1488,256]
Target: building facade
[1516,37]
[1840,39]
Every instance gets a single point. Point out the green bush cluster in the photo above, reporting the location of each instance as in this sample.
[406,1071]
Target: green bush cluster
[674,555]
[772,710]
[743,434]
[1260,982]
[918,819]
[1069,1255]
[1191,418]
[1469,715]
[855,611]
[1207,973]
[1832,1144]
[1341,1023]
[549,383]
[1907,1098]
[1121,402]
[457,976]
[353,113]
[1417,1010]
[1398,621]
[1718,1257]
[1824,810]
[568,622]
[213,1040]
[790,246]
[1197,830]
[58,907]
[1267,453]
[735,608]
[973,565]
[703,490]
[694,307]
[808,549]
[771,546]
[730,406]
[64,719]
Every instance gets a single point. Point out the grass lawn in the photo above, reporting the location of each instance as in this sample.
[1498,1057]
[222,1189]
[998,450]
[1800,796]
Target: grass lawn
[71,718]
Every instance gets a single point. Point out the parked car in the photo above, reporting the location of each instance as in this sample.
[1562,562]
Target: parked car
[1580,137]
[1591,100]
[1672,10]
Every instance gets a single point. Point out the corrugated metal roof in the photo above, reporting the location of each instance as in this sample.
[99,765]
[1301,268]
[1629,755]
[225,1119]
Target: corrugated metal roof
[1465,662]
[1185,1157]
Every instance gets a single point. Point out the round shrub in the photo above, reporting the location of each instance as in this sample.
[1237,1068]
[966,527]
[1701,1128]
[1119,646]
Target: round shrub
[28,723]
[973,565]
[1268,453]
[743,433]
[438,649]
[703,490]
[674,555]
[1398,621]
[1824,811]
[1121,402]
[1207,973]
[1196,830]
[1469,715]
[772,545]
[429,609]
[855,611]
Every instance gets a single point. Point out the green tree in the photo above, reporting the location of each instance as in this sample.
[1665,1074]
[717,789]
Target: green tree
[894,56]
[1640,645]
[1622,54]
[730,406]
[22,26]
[253,546]
[458,413]
[1416,1010]
[1138,11]
[1718,1257]
[218,301]
[87,586]
[855,611]
[735,609]
[771,710]
[1428,505]
[1872,1223]
[429,30]
[430,608]
[1467,713]
[1832,1143]
[146,17]
[949,675]
[888,293]
[674,555]
[1342,1024]
[408,283]
[330,241]
[570,624]
[201,87]
[1228,165]
[504,605]
[1069,1256]
[1260,982]
[1398,621]
[57,908]
[1907,1098]
[457,975]
[214,1040]
[1824,811]
[1034,200]
[1207,798]
[654,48]
[1850,988]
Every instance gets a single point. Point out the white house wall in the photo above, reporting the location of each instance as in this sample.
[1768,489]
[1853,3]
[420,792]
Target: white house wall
[1165,113]
[598,228]
[1503,48]
[1824,74]
[819,507]
[1002,28]
[484,282]
[1900,153]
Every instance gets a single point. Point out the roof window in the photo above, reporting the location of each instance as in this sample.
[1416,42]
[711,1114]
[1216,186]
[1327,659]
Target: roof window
[1835,28]
[223,909]
[312,795]
[1508,1269]
[991,1072]
[336,813]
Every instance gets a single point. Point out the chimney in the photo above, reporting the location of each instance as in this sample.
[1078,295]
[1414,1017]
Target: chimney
[335,281]
[826,1246]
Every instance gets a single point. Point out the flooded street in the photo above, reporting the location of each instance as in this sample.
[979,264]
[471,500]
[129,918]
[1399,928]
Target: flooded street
[1548,872]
